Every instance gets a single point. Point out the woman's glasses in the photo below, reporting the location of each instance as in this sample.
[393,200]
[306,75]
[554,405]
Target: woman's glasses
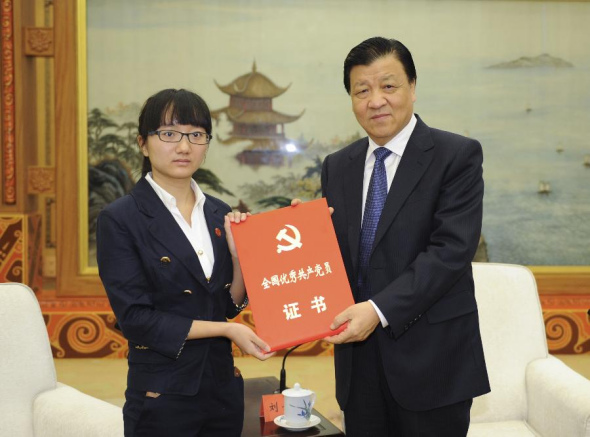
[172,136]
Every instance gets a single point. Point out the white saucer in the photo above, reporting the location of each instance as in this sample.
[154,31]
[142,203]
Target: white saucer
[282,422]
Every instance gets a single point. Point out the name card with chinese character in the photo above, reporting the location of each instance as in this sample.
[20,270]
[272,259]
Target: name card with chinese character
[294,273]
[272,406]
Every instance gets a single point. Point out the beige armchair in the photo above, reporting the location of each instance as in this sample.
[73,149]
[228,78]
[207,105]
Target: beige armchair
[32,402]
[533,393]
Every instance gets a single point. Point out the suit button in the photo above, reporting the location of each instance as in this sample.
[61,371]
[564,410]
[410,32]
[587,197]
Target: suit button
[199,252]
[187,292]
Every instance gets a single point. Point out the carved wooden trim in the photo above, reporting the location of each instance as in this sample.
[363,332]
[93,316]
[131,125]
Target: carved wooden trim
[8,110]
[38,41]
[41,180]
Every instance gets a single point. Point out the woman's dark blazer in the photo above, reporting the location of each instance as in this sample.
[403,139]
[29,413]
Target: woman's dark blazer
[156,287]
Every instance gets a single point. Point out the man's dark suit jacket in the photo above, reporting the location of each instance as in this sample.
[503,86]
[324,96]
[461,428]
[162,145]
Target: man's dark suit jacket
[156,287]
[420,266]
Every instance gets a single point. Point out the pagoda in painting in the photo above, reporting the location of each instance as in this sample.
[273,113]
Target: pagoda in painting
[255,122]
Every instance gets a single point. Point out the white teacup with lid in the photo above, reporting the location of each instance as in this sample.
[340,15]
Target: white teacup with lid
[298,405]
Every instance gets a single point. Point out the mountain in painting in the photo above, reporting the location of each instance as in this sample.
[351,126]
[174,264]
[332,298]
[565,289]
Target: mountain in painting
[543,60]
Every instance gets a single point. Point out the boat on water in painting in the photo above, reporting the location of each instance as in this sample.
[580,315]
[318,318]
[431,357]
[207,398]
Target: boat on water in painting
[544,187]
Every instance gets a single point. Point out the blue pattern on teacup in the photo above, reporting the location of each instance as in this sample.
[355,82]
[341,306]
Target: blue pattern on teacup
[305,410]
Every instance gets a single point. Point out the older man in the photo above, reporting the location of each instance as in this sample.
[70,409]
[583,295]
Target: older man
[407,213]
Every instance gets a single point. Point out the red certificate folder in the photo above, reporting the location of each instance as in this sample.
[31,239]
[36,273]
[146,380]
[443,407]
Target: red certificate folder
[294,273]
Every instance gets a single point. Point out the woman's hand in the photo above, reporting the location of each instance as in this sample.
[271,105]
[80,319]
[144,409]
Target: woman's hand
[233,217]
[248,342]
[295,202]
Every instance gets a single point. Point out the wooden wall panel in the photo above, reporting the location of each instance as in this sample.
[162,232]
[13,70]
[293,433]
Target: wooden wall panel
[20,249]
[69,281]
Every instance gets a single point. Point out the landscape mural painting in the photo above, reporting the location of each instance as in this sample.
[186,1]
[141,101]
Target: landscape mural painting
[513,75]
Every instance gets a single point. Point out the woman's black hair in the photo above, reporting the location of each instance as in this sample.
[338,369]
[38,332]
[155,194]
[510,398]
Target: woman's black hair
[169,107]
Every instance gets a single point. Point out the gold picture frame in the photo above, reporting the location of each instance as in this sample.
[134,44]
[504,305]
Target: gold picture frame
[83,230]
[76,276]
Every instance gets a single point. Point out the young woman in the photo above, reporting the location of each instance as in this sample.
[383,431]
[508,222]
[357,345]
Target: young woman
[168,263]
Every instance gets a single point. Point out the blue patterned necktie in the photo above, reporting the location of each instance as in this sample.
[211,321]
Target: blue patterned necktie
[376,196]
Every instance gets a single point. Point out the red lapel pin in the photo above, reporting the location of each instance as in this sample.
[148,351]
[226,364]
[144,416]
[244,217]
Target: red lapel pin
[218,232]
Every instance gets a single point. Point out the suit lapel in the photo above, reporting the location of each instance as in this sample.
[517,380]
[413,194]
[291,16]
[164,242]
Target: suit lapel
[353,193]
[414,162]
[164,229]
[215,221]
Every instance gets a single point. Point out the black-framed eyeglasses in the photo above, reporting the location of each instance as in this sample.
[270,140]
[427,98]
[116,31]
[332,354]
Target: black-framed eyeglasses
[172,136]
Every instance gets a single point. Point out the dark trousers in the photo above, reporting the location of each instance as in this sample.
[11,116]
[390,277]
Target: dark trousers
[371,411]
[217,410]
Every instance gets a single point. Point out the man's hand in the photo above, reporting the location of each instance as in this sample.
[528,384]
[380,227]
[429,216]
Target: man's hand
[362,320]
